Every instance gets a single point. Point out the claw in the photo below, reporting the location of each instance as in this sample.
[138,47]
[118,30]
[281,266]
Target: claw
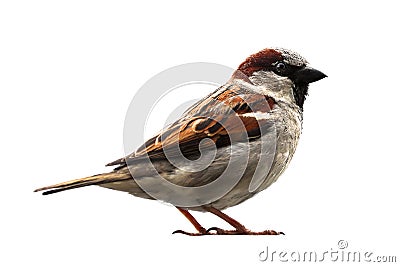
[213,229]
[186,233]
[180,232]
[202,232]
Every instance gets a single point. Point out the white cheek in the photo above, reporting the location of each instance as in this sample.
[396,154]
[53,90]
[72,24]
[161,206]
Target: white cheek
[257,115]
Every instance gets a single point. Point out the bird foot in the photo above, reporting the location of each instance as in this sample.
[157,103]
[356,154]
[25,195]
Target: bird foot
[219,231]
[202,231]
[187,233]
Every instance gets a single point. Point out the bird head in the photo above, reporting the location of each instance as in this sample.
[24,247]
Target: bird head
[283,65]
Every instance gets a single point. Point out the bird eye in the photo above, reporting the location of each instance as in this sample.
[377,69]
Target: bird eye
[280,67]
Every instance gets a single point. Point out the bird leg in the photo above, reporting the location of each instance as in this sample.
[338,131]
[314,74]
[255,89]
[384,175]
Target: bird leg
[239,228]
[201,230]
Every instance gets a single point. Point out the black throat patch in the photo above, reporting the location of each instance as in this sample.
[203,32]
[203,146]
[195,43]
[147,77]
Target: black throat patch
[300,92]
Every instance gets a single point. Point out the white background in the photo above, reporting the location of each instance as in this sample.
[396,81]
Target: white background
[68,72]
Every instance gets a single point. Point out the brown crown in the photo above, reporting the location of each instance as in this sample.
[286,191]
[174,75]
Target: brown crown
[260,61]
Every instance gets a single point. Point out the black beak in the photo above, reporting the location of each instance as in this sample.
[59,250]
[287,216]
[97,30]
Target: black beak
[308,75]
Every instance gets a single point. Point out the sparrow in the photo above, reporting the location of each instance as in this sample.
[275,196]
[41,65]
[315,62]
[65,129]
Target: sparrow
[224,149]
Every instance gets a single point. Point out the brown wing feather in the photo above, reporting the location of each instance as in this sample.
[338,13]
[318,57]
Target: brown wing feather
[220,118]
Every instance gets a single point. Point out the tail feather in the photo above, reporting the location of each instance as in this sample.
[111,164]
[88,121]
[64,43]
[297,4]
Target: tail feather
[91,180]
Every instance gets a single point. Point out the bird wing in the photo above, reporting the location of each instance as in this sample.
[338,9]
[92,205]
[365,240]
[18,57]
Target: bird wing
[230,114]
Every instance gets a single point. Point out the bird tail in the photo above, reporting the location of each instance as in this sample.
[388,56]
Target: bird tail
[98,179]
